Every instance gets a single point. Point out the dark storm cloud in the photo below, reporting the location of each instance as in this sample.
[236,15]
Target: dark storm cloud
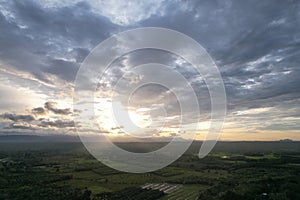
[52,106]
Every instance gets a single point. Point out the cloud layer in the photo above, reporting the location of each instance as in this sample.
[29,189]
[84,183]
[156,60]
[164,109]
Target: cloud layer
[255,44]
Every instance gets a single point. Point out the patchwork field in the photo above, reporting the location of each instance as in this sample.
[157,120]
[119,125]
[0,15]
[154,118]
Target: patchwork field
[234,170]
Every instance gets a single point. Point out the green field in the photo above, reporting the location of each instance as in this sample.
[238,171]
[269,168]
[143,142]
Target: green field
[233,170]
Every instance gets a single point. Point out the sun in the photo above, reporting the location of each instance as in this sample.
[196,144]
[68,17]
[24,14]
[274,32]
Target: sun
[113,117]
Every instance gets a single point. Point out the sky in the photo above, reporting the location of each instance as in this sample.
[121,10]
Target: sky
[255,45]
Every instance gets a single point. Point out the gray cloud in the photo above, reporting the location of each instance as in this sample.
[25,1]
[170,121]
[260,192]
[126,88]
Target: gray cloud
[256,45]
[52,106]
[36,39]
[237,33]
[15,117]
[281,127]
[57,124]
[21,126]
[39,111]
[33,121]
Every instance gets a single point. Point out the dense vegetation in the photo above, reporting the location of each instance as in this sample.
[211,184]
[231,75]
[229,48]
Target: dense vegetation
[240,170]
[130,193]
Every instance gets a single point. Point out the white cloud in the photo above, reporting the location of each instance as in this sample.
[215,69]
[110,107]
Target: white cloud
[117,11]
[14,98]
[254,111]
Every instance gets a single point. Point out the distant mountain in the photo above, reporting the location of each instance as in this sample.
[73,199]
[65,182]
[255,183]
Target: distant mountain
[286,140]
[73,138]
